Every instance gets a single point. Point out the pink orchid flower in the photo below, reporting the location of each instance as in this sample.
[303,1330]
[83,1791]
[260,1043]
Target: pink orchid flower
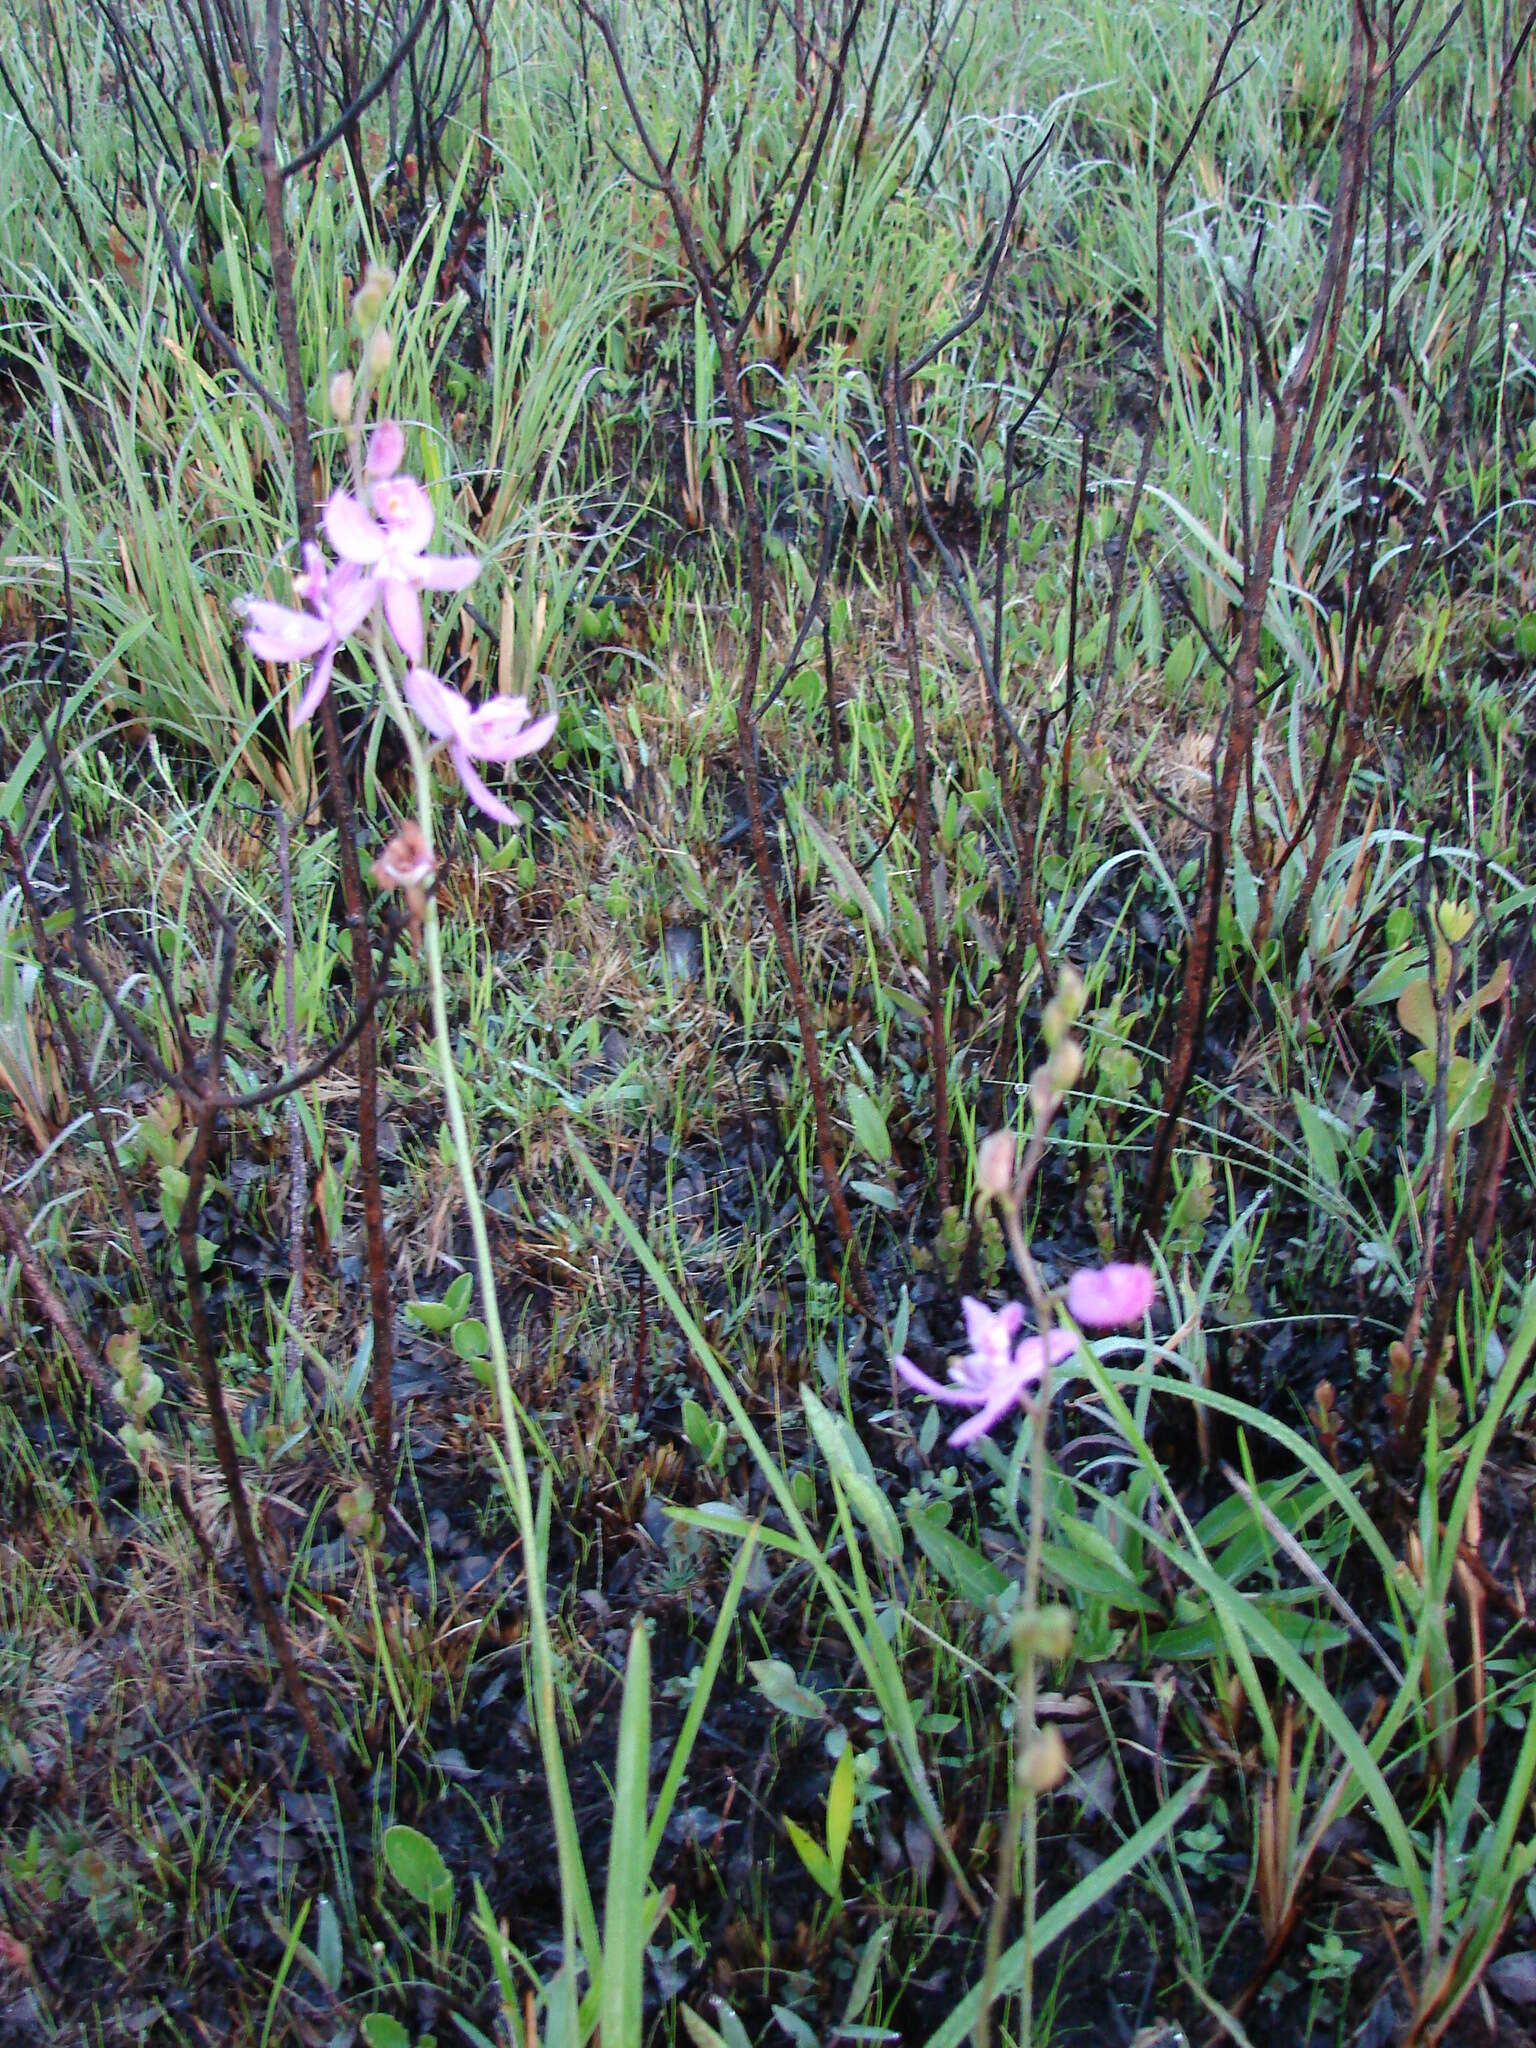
[499,730]
[338,601]
[389,540]
[1001,1368]
[1110,1297]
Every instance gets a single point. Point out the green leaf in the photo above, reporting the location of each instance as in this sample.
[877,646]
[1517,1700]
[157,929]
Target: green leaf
[625,1919]
[779,1686]
[1180,662]
[972,1575]
[328,1946]
[436,1316]
[865,1974]
[699,2032]
[870,1133]
[836,1439]
[380,2031]
[471,1339]
[1196,1639]
[703,1430]
[840,1811]
[417,1867]
[814,1857]
[799,2031]
[849,880]
[1416,1011]
[732,2033]
[1096,1578]
[849,1464]
[1321,1149]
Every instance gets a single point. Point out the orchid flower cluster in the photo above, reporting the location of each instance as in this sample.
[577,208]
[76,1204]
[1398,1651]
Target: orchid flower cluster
[380,536]
[1005,1368]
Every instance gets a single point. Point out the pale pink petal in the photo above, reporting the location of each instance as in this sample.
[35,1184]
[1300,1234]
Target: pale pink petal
[350,599]
[991,1332]
[514,745]
[310,582]
[497,720]
[406,510]
[934,1389]
[476,790]
[1031,1356]
[445,572]
[1110,1297]
[314,690]
[402,608]
[442,711]
[354,536]
[386,449]
[985,1418]
[274,633]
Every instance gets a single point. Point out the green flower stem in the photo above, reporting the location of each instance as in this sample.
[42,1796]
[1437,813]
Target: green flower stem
[574,1891]
[1023,1799]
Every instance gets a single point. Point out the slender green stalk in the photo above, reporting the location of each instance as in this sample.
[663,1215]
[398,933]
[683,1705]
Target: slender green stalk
[575,1895]
[1023,1791]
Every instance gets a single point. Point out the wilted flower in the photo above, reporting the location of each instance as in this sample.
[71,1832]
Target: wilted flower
[338,601]
[407,863]
[1001,1368]
[1110,1297]
[499,730]
[389,541]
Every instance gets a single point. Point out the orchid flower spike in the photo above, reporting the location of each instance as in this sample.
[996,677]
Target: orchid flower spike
[1110,1297]
[389,540]
[338,601]
[499,730]
[1001,1369]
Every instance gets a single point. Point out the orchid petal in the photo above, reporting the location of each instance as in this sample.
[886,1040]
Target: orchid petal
[476,790]
[350,599]
[274,633]
[934,1389]
[445,572]
[991,1333]
[386,449]
[314,690]
[498,720]
[985,1418]
[441,710]
[406,510]
[354,536]
[402,608]
[1110,1297]
[526,740]
[1035,1354]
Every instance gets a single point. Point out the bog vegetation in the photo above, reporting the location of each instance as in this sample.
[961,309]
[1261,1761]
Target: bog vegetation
[767,952]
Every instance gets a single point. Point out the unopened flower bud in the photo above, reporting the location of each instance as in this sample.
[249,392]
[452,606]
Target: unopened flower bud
[1065,1065]
[339,396]
[995,1166]
[1042,1761]
[368,301]
[1044,1100]
[1047,1632]
[1064,1008]
[380,352]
